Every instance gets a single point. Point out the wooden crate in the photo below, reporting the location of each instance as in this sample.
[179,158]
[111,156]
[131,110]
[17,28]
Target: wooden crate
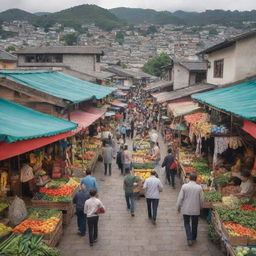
[52,234]
[235,240]
[45,204]
[55,239]
[251,241]
[207,205]
[67,216]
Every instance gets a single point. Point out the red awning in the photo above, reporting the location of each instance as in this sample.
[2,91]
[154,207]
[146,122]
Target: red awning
[250,128]
[8,150]
[85,118]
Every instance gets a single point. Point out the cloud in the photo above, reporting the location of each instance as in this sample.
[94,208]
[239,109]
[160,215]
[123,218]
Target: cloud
[173,5]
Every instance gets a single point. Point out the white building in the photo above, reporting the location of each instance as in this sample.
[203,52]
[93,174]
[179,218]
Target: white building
[232,60]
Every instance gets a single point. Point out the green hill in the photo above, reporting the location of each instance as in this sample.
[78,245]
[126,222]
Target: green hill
[16,14]
[41,13]
[146,16]
[79,15]
[208,17]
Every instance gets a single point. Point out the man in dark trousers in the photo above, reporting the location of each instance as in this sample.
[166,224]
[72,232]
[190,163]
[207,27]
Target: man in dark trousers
[79,201]
[152,186]
[170,173]
[189,202]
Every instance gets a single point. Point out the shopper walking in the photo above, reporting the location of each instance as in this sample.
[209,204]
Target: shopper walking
[132,128]
[170,168]
[123,132]
[108,155]
[189,202]
[92,208]
[127,159]
[129,183]
[89,182]
[152,186]
[120,159]
[79,200]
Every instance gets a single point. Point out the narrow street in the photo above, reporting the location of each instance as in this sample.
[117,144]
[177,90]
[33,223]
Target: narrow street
[123,235]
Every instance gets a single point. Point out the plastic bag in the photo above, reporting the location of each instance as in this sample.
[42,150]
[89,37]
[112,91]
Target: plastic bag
[17,211]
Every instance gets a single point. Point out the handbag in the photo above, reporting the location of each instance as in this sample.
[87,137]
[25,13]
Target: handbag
[100,210]
[173,165]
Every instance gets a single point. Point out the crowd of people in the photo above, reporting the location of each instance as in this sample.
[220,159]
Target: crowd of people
[141,118]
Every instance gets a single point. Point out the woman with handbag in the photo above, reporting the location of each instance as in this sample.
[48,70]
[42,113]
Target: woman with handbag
[170,167]
[92,208]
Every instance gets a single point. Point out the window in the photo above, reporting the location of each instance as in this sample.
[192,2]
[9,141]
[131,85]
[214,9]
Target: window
[44,58]
[97,58]
[218,68]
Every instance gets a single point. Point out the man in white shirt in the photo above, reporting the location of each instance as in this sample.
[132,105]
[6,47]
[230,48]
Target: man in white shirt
[154,136]
[152,186]
[189,202]
[91,206]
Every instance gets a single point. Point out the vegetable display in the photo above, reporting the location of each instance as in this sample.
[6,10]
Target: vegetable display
[26,244]
[222,180]
[235,229]
[62,191]
[212,196]
[246,219]
[58,193]
[245,251]
[3,206]
[41,214]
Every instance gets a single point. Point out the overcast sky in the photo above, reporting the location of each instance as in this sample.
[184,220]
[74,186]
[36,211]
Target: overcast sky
[170,5]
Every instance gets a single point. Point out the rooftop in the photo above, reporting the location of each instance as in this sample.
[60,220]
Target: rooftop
[228,42]
[194,65]
[7,56]
[61,50]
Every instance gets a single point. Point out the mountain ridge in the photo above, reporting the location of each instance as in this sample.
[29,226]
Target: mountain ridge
[118,17]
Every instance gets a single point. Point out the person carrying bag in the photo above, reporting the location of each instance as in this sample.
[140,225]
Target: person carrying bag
[92,208]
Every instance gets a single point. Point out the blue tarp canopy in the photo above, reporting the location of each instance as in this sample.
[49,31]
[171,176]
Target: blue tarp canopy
[239,100]
[59,85]
[21,123]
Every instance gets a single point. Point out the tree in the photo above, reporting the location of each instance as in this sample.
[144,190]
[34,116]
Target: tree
[10,49]
[119,37]
[155,65]
[70,39]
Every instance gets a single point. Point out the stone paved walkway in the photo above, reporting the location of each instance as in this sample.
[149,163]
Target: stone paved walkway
[123,235]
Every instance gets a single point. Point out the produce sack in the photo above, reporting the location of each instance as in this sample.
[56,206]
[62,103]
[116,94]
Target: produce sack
[17,211]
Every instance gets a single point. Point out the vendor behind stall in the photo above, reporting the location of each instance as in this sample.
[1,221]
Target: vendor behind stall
[247,186]
[27,179]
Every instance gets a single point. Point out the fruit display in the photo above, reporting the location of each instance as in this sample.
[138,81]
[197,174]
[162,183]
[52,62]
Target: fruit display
[141,144]
[142,170]
[91,146]
[212,196]
[202,128]
[245,251]
[89,155]
[141,152]
[235,229]
[26,244]
[38,226]
[142,175]
[4,230]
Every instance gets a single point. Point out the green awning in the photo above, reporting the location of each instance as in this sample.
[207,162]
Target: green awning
[59,85]
[21,123]
[239,100]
